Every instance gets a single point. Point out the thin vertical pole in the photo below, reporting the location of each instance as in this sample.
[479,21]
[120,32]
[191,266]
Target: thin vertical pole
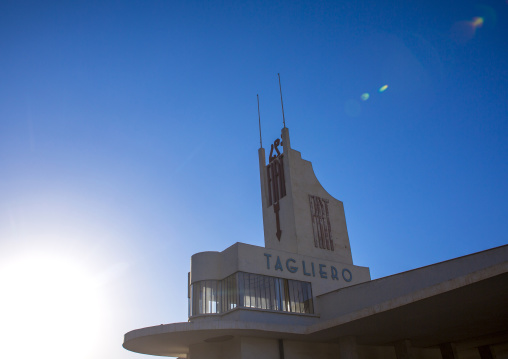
[259,118]
[282,103]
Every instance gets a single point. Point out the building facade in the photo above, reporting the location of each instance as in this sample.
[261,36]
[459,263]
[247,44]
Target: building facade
[300,296]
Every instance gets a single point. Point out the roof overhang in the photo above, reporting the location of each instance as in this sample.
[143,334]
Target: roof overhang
[466,308]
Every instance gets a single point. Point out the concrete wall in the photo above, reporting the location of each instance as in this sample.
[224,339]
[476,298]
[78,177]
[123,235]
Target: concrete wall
[237,348]
[388,352]
[255,348]
[310,350]
[376,352]
[270,317]
[382,290]
[259,260]
[266,348]
[230,349]
[295,214]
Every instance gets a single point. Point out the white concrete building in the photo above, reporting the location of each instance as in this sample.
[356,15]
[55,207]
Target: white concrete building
[301,296]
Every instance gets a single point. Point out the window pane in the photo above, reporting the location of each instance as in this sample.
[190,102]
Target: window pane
[219,296]
[267,292]
[230,289]
[207,297]
[260,292]
[246,280]
[287,302]
[197,295]
[308,299]
[300,297]
[214,297]
[202,303]
[278,294]
[222,296]
[234,292]
[272,293]
[266,285]
[281,300]
[250,291]
[241,289]
[292,296]
[208,305]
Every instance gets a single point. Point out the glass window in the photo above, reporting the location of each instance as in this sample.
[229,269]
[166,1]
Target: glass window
[234,292]
[273,305]
[287,298]
[241,289]
[246,281]
[299,294]
[248,290]
[308,304]
[231,293]
[253,289]
[293,296]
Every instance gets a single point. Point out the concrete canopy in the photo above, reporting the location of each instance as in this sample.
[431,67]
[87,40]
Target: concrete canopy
[463,301]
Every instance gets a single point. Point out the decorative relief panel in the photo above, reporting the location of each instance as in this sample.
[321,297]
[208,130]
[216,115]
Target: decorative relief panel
[276,182]
[321,223]
[275,172]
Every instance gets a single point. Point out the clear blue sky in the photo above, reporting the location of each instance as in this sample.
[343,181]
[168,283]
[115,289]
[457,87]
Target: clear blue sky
[129,134]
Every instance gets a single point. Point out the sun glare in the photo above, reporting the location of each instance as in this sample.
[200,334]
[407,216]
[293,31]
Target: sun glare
[49,308]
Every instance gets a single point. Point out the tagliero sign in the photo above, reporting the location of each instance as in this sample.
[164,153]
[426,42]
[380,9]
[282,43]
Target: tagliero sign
[308,269]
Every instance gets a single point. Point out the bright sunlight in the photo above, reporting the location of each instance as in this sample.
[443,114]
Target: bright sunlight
[50,307]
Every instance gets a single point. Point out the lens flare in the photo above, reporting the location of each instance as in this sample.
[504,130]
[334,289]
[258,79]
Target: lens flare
[477,22]
[383,88]
[365,96]
[463,31]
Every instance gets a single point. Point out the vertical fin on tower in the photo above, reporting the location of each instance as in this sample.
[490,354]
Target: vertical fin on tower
[299,215]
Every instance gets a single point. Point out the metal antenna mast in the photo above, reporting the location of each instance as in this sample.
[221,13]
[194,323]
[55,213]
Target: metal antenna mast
[259,118]
[282,103]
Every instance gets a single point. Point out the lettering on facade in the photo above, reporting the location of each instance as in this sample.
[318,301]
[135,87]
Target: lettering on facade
[308,268]
[276,182]
[321,223]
